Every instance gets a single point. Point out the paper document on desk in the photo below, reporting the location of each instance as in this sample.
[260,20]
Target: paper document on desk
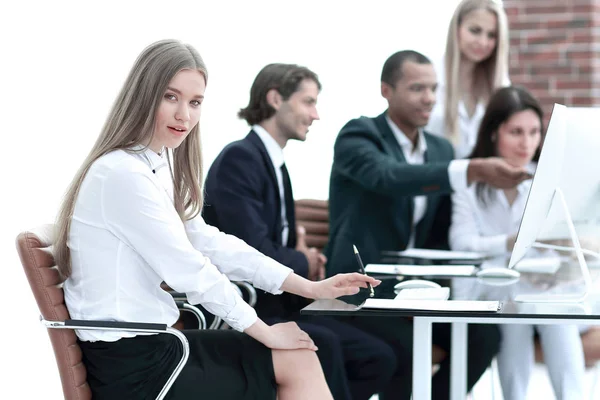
[433,305]
[429,254]
[421,270]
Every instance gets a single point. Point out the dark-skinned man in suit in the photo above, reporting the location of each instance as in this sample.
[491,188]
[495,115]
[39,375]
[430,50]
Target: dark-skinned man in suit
[389,191]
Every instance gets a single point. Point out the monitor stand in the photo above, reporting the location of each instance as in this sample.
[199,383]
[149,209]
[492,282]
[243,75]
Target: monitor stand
[564,298]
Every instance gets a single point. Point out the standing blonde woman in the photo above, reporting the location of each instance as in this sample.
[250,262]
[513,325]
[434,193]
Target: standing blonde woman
[474,66]
[130,220]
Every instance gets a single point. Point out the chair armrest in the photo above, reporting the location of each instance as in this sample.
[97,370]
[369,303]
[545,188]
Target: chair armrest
[112,325]
[237,289]
[252,296]
[184,306]
[216,323]
[177,295]
[139,327]
[181,298]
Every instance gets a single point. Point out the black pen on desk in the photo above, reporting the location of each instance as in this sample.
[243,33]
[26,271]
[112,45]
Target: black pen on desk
[362,269]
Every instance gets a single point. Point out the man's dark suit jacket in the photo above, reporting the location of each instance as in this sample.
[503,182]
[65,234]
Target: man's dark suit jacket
[371,194]
[242,199]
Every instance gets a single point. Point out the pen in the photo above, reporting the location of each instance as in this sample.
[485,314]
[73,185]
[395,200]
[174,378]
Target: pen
[362,269]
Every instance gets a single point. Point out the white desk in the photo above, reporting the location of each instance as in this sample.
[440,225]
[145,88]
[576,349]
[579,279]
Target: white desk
[587,313]
[458,354]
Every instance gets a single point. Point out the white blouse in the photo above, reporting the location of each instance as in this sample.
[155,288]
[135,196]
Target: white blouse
[468,126]
[484,227]
[126,239]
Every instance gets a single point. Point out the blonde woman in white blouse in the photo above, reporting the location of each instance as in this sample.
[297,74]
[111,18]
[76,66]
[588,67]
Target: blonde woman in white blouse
[130,220]
[487,220]
[474,65]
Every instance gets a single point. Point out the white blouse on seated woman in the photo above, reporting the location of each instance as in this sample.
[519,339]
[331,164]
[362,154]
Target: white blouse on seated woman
[484,226]
[118,268]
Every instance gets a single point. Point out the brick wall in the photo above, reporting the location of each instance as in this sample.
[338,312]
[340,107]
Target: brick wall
[555,50]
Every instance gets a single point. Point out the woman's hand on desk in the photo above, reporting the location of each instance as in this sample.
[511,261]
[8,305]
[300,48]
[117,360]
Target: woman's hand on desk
[284,336]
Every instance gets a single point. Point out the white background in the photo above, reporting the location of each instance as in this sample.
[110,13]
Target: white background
[62,64]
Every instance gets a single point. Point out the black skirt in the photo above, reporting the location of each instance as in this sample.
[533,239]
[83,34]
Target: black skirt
[222,365]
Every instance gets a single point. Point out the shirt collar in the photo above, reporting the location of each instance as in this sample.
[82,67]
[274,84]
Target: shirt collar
[273,149]
[152,159]
[405,142]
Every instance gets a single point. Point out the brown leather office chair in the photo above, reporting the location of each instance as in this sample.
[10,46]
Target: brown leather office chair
[34,249]
[313,215]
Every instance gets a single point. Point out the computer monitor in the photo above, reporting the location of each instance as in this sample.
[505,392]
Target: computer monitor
[564,200]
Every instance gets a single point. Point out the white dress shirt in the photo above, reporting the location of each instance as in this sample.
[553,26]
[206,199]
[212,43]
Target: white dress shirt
[457,171]
[484,227]
[276,155]
[468,126]
[126,239]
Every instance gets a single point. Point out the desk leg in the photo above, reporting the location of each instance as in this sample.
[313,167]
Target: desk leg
[458,361]
[421,384]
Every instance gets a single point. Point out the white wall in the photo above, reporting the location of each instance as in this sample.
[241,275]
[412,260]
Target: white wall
[63,62]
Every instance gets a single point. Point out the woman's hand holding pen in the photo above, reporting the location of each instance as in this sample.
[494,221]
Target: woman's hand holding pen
[330,288]
[342,285]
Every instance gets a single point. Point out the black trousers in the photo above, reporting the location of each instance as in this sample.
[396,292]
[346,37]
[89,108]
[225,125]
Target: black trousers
[356,364]
[483,345]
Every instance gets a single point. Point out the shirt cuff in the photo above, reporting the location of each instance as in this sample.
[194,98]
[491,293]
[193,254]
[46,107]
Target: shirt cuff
[241,317]
[457,174]
[270,276]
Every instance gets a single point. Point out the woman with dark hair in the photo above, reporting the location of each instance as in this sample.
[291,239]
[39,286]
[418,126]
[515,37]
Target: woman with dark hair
[510,129]
[485,219]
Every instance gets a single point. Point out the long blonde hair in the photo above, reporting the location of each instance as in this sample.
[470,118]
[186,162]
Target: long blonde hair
[488,74]
[131,122]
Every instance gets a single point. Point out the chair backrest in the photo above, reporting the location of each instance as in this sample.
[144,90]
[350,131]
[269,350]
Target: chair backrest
[34,249]
[314,216]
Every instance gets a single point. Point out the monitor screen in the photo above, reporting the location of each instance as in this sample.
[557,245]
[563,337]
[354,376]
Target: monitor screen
[545,180]
[569,161]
